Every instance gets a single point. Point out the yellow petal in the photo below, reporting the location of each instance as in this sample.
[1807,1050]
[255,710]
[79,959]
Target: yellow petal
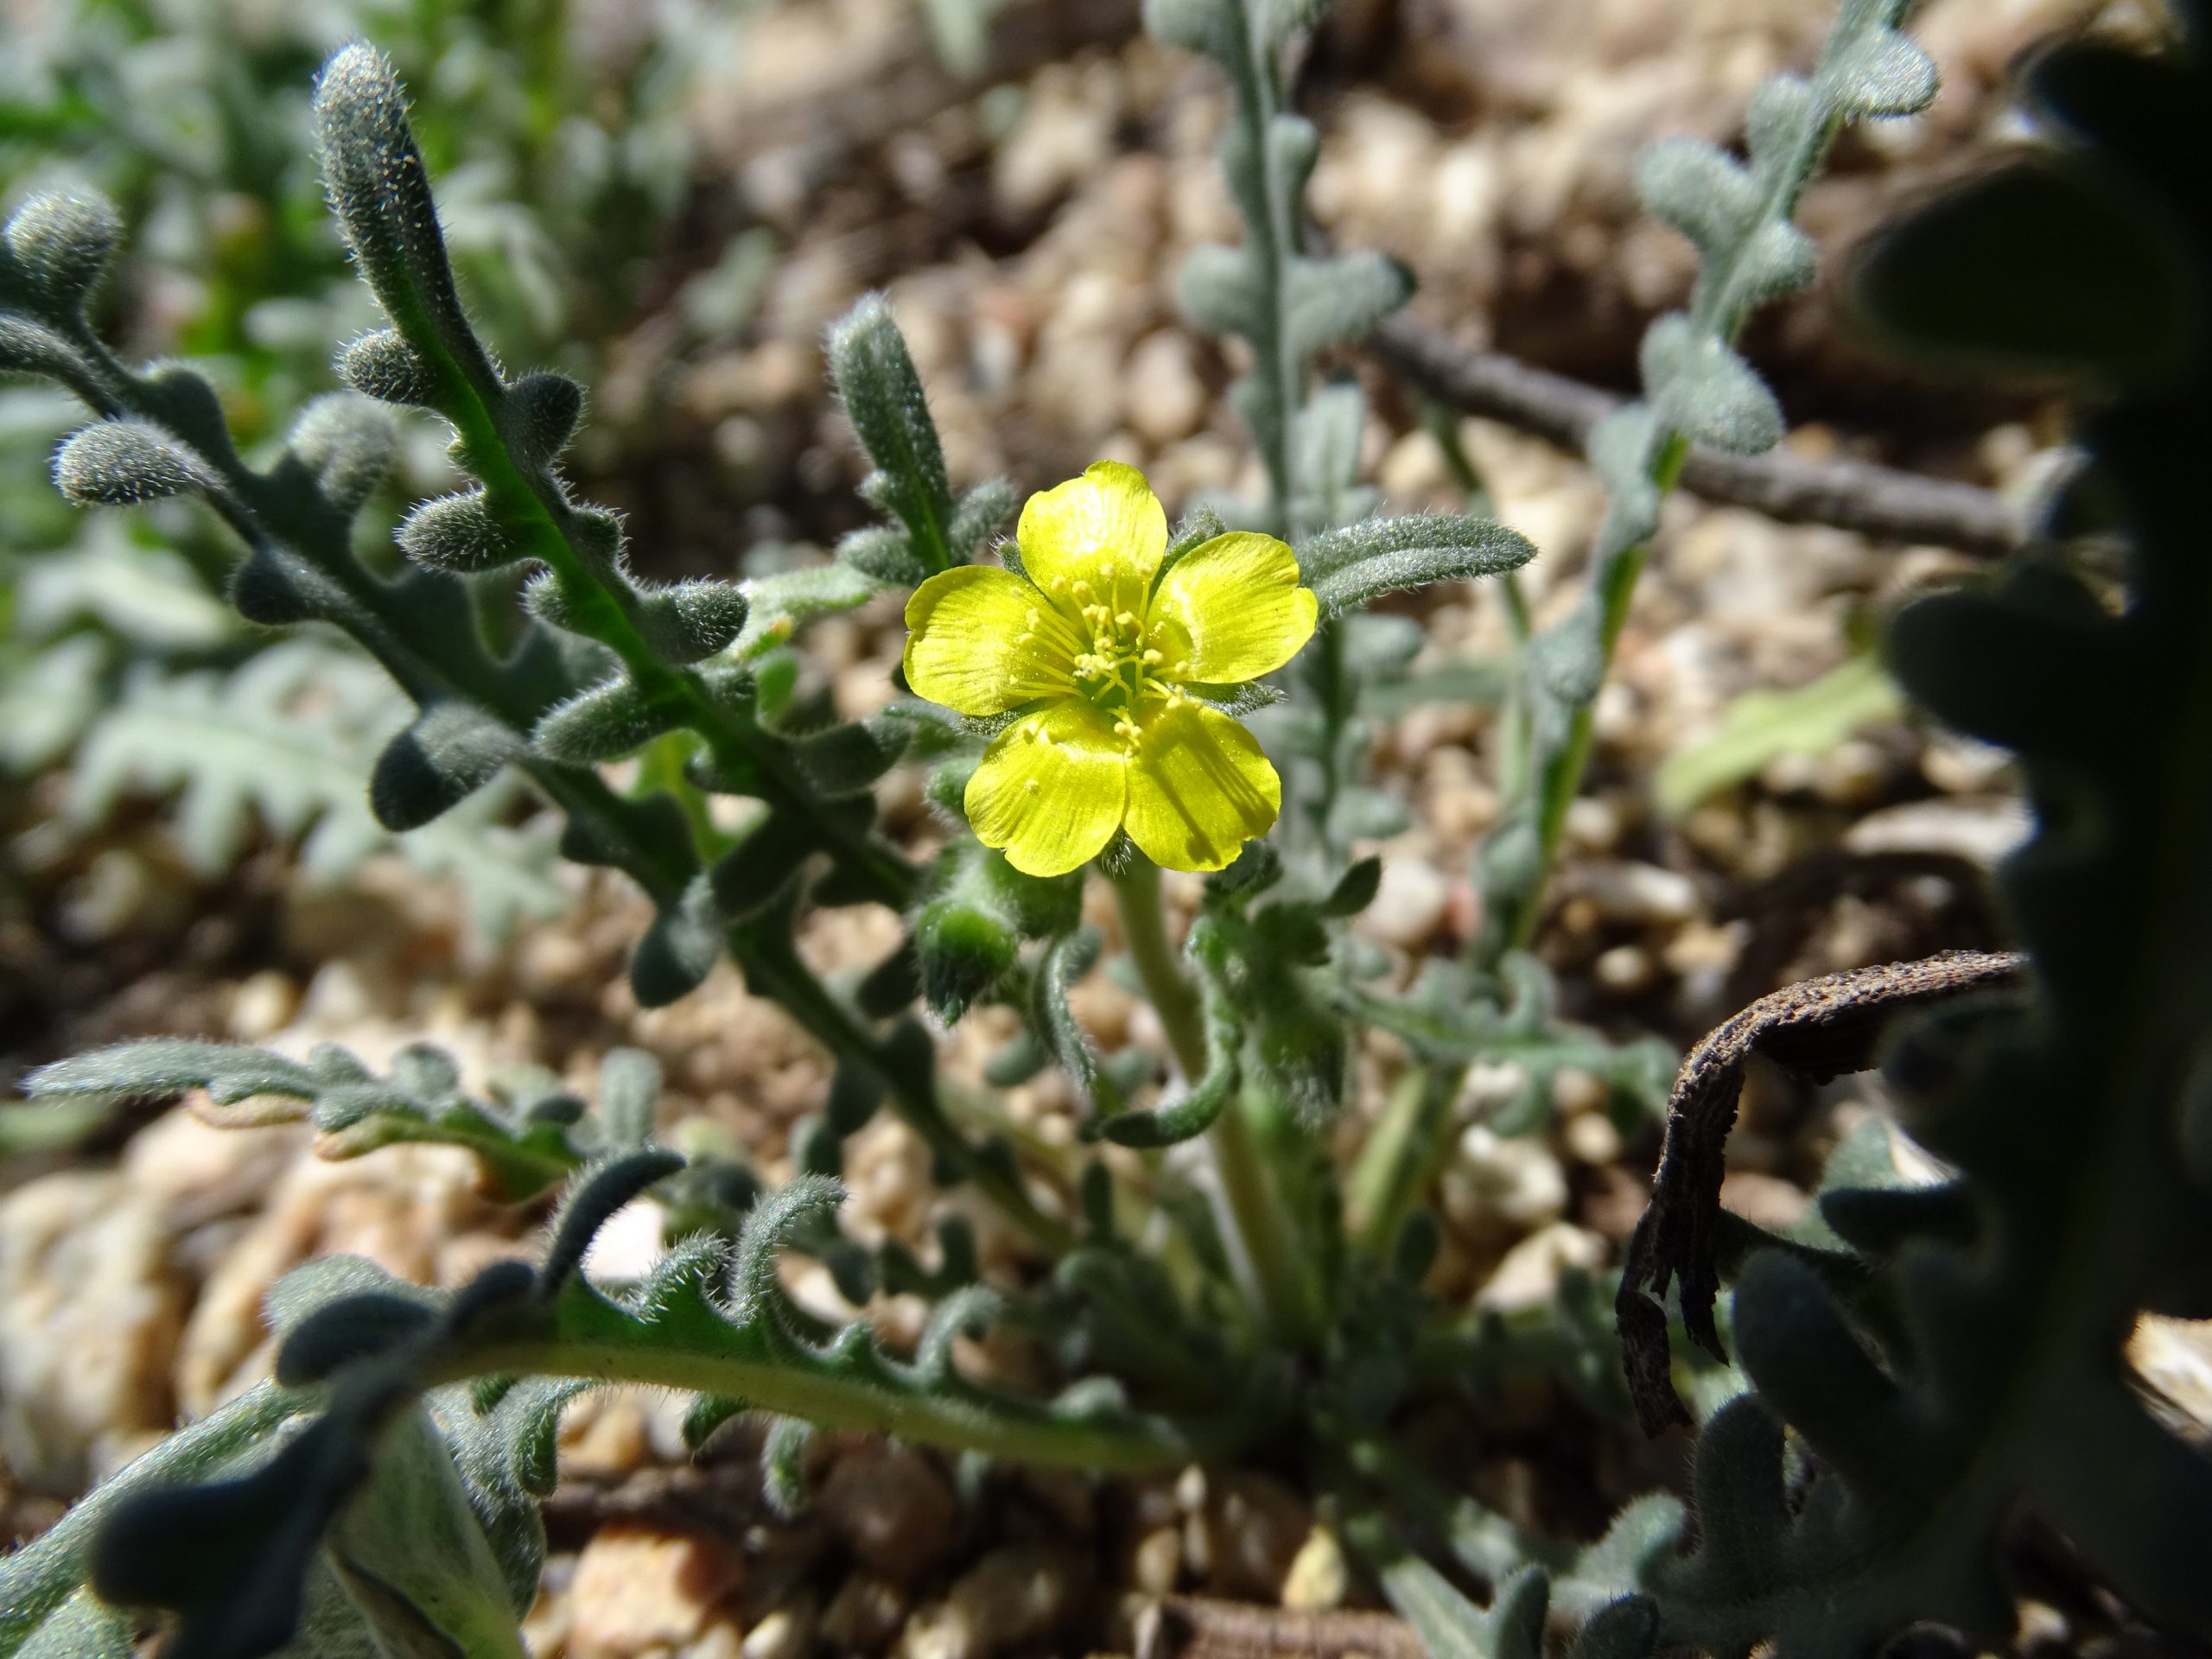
[1106,528]
[1232,609]
[1051,789]
[982,640]
[1199,788]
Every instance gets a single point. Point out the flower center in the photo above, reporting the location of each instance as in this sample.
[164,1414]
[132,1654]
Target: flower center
[1120,670]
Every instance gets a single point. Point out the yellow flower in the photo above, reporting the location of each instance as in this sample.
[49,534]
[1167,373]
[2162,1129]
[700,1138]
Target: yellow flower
[1095,648]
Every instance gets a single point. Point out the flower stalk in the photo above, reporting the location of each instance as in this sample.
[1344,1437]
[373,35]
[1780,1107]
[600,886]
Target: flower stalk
[1261,1236]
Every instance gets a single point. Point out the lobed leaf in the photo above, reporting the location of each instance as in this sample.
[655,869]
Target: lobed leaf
[1348,567]
[120,463]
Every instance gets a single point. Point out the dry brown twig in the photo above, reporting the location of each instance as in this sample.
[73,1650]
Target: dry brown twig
[1818,1028]
[1877,501]
[1201,1627]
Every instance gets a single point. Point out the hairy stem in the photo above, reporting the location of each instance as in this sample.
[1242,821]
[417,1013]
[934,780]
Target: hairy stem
[1258,1227]
[1023,1430]
[1558,780]
[382,619]
[1274,238]
[1174,998]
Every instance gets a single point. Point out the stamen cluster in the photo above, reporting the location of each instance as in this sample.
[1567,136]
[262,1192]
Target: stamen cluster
[1095,643]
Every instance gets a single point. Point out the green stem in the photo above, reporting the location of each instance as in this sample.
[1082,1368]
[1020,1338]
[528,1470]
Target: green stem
[1719,307]
[1289,1293]
[1262,1235]
[1400,1159]
[1174,998]
[1560,779]
[1277,239]
[1020,1430]
[528,501]
[378,616]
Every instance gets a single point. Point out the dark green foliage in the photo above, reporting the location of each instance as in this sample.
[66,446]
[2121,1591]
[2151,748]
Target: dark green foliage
[693,621]
[1976,1372]
[348,443]
[449,752]
[458,535]
[382,366]
[782,1465]
[40,1596]
[597,1192]
[426,1519]
[610,720]
[119,463]
[59,247]
[541,415]
[402,1515]
[530,1141]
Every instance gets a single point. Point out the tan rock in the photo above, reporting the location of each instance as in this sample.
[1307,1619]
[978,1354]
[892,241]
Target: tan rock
[92,1317]
[636,1588]
[1528,1275]
[1409,905]
[1163,399]
[1017,1594]
[603,1434]
[1498,1183]
[395,1207]
[865,1613]
[891,1508]
[2174,1358]
[1157,1562]
[1763,1200]
[786,1633]
[1320,1578]
[1253,1525]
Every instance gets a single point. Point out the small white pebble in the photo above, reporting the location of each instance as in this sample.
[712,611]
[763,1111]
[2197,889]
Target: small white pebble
[1190,1489]
[1408,905]
[785,1634]
[1638,895]
[1529,1274]
[1488,1086]
[1574,1089]
[1158,1561]
[1624,971]
[1851,774]
[1494,1181]
[1319,1579]
[1590,1138]
[263,1005]
[1593,823]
